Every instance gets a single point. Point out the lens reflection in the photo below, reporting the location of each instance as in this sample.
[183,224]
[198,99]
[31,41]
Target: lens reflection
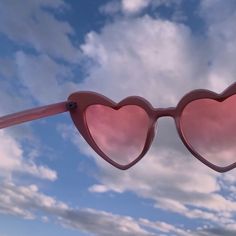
[209,127]
[120,134]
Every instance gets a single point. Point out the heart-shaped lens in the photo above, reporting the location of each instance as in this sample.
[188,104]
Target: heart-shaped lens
[120,134]
[209,128]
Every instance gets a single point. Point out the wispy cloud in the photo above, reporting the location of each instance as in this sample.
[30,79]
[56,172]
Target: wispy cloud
[13,160]
[36,27]
[49,84]
[133,7]
[219,19]
[28,202]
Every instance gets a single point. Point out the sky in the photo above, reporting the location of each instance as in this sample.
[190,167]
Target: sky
[51,181]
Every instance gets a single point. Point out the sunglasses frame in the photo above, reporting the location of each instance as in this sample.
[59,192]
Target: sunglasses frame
[78,102]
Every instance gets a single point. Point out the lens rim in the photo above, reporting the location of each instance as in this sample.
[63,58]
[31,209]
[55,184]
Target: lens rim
[197,95]
[86,98]
[198,112]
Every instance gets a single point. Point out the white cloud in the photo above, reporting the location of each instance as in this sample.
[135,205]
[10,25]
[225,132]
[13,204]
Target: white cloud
[165,227]
[23,200]
[148,57]
[44,78]
[110,8]
[133,6]
[98,188]
[13,161]
[36,27]
[16,157]
[104,223]
[219,18]
[28,202]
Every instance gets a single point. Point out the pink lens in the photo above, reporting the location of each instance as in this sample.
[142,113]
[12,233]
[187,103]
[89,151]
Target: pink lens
[209,127]
[120,134]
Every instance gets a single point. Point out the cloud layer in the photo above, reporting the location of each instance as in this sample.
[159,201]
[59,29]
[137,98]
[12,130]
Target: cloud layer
[158,59]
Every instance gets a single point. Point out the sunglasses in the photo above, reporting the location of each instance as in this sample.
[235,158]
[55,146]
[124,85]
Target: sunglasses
[121,133]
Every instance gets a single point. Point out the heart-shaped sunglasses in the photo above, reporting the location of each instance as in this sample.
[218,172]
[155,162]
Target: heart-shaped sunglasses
[121,133]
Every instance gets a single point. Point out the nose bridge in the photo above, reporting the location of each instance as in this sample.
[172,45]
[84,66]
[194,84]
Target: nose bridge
[161,112]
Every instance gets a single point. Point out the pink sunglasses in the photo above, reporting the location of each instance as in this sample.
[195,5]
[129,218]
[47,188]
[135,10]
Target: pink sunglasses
[121,133]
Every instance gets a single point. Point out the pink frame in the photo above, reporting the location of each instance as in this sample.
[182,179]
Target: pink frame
[79,101]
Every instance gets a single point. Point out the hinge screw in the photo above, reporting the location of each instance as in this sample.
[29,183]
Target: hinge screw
[71,105]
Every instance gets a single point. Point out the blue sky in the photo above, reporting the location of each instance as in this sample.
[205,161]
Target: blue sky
[51,182]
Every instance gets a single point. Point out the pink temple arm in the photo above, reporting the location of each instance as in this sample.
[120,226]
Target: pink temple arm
[33,114]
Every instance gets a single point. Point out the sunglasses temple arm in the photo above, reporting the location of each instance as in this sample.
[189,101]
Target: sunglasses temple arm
[34,114]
